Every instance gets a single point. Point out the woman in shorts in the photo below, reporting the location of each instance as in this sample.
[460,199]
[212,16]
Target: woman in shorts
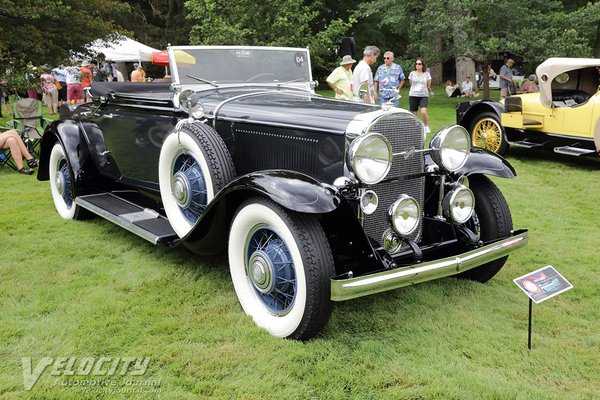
[420,88]
[74,88]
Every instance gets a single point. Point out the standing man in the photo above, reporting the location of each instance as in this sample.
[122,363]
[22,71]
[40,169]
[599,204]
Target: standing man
[506,78]
[362,79]
[105,68]
[137,73]
[389,79]
[96,73]
[340,80]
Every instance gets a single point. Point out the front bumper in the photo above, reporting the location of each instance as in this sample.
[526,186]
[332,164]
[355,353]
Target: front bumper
[345,289]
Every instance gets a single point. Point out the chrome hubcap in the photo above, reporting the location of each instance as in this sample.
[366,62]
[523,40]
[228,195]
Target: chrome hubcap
[261,271]
[59,183]
[181,189]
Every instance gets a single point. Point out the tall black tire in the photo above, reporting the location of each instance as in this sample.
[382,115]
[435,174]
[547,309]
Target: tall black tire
[487,133]
[281,265]
[492,220]
[194,165]
[63,187]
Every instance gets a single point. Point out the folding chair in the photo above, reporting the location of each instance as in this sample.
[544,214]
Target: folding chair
[6,157]
[28,120]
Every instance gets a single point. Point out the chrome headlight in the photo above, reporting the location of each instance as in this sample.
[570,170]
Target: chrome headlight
[370,158]
[459,204]
[450,147]
[404,215]
[197,111]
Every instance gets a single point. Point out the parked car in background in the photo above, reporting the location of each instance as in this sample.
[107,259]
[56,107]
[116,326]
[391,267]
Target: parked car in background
[564,116]
[315,200]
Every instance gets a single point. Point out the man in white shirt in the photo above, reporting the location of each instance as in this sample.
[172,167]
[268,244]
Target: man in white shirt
[363,76]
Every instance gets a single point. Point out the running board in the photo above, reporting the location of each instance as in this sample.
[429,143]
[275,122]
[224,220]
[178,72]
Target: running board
[144,222]
[573,151]
[526,144]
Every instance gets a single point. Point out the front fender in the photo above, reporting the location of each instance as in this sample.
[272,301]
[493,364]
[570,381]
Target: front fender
[482,161]
[467,111]
[293,191]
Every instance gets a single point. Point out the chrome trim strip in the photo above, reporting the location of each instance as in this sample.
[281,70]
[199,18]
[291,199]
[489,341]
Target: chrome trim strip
[345,289]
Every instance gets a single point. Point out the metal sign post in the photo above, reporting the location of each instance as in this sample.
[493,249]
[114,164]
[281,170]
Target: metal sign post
[540,285]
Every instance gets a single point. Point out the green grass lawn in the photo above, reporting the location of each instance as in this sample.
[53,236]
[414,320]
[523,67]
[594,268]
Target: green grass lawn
[91,289]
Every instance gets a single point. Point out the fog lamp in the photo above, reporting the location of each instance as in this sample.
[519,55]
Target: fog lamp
[404,215]
[391,242]
[459,204]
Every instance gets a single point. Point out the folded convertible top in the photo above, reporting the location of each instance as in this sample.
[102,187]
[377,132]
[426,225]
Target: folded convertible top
[99,89]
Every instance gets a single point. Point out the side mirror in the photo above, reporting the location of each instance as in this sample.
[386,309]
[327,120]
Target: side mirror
[189,102]
[188,99]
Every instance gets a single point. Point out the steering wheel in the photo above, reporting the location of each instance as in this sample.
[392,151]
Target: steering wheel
[264,75]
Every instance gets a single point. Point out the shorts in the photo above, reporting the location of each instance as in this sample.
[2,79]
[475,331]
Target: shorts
[62,93]
[74,91]
[414,103]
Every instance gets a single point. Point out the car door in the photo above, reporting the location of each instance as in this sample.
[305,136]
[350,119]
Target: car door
[133,134]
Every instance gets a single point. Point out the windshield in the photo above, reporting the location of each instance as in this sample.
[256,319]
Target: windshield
[226,65]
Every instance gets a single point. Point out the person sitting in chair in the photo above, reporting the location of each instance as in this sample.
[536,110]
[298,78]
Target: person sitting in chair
[12,141]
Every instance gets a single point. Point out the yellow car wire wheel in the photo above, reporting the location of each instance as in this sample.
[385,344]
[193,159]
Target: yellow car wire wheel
[487,133]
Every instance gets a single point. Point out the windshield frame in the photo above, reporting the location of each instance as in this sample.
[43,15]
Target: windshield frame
[176,79]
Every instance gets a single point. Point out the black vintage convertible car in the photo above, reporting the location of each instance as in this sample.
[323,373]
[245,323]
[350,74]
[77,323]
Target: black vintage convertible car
[315,200]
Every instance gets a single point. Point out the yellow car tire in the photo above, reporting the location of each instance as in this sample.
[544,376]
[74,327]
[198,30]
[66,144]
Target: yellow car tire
[487,133]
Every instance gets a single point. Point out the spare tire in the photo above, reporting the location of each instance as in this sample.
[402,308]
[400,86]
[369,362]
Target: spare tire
[194,165]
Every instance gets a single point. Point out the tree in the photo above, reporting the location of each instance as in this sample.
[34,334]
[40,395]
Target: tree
[290,23]
[482,29]
[157,23]
[45,31]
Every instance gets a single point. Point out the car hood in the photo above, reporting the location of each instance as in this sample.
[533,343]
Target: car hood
[289,108]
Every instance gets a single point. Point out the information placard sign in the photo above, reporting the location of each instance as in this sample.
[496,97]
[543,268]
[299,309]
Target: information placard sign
[542,284]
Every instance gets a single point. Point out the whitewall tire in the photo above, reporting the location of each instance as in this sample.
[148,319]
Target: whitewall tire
[281,265]
[62,185]
[194,165]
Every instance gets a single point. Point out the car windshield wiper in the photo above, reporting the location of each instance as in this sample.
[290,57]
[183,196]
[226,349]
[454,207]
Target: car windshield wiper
[213,84]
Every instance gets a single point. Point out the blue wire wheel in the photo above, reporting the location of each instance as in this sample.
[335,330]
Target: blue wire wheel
[270,270]
[188,186]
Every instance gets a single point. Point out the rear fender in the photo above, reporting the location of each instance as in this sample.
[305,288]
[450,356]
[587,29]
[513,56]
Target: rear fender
[75,147]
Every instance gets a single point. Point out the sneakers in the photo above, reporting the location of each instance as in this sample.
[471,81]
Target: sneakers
[26,171]
[427,130]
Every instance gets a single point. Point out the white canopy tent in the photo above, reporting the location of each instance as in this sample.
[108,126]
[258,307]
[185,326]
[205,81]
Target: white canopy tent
[123,50]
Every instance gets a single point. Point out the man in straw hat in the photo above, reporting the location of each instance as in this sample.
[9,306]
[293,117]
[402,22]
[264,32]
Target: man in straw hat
[340,80]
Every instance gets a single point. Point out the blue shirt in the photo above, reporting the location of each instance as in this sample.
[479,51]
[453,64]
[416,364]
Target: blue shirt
[389,79]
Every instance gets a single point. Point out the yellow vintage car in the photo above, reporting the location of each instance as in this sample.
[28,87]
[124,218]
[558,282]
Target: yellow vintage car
[563,116]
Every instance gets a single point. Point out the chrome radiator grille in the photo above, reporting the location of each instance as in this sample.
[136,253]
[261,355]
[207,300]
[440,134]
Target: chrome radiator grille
[404,132]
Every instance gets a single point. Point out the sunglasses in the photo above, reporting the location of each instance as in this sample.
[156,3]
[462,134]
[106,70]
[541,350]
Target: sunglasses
[419,63]
[387,58]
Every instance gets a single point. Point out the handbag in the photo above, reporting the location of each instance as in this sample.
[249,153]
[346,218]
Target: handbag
[58,85]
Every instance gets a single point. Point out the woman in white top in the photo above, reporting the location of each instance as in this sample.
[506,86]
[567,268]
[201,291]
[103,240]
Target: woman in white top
[420,88]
